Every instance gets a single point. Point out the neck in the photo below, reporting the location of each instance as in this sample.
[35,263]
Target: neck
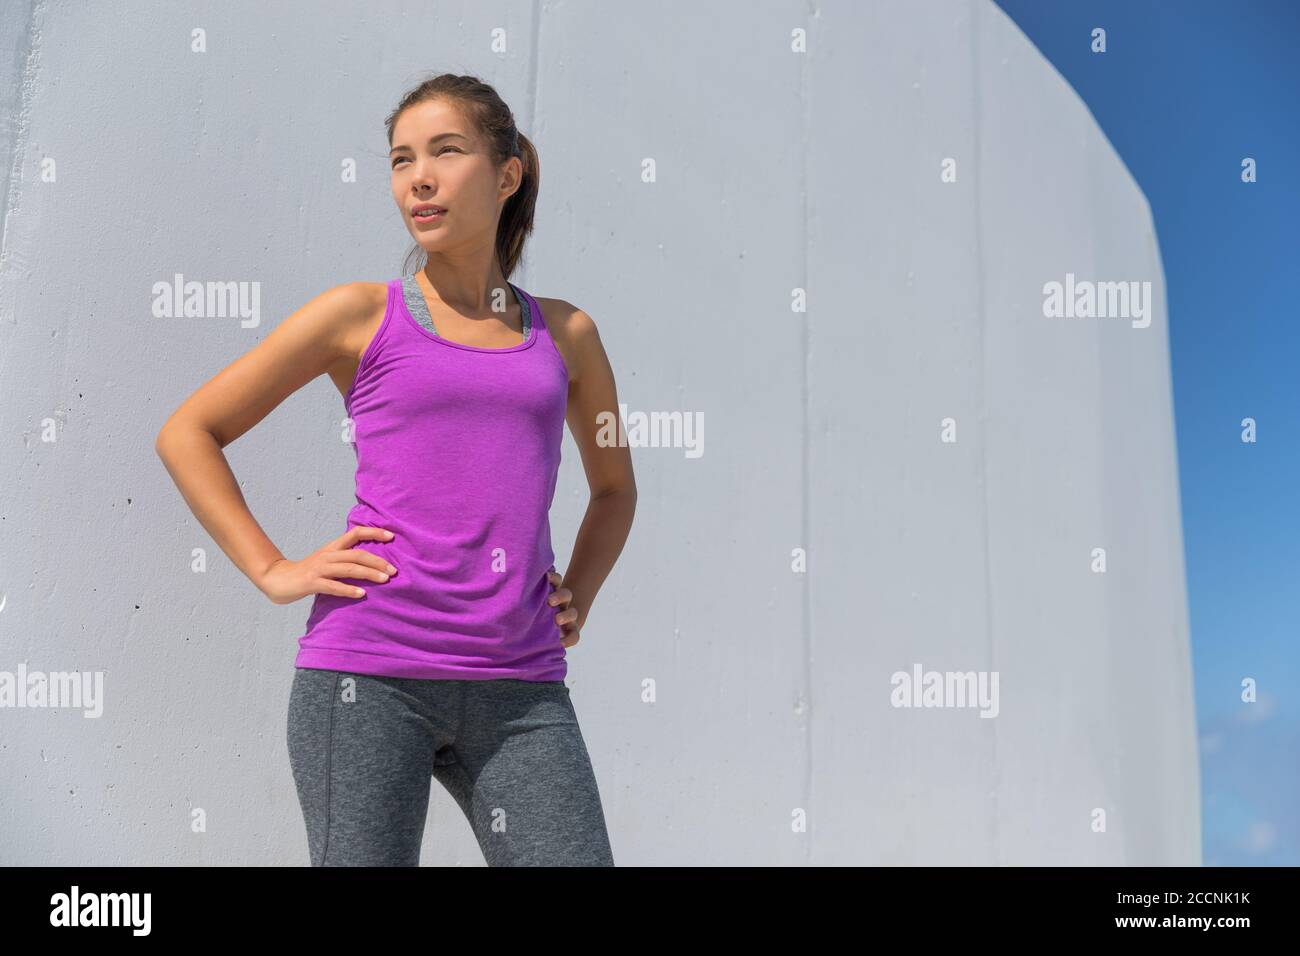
[468,289]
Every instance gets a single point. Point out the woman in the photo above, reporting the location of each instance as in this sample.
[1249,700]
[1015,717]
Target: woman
[435,646]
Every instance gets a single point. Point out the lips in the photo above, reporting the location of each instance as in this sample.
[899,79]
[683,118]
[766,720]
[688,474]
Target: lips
[420,211]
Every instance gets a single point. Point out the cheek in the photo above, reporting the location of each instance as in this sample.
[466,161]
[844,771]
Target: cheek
[476,188]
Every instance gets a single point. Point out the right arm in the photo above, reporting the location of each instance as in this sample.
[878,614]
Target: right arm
[318,338]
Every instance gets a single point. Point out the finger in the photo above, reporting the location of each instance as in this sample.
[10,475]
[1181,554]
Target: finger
[554,576]
[363,532]
[338,588]
[560,596]
[569,637]
[567,616]
[363,557]
[358,572]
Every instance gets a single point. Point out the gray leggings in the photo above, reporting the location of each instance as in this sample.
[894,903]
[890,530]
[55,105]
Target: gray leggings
[363,750]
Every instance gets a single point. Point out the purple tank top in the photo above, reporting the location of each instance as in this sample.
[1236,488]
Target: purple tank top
[457,448]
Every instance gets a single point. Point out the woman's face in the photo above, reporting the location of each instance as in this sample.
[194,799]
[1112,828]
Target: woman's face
[439,158]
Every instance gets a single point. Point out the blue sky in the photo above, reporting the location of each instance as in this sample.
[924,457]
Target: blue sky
[1184,92]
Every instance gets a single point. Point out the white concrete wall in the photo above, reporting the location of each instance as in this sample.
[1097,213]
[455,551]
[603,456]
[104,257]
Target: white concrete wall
[775,171]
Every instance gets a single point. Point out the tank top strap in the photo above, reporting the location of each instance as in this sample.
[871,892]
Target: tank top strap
[415,303]
[527,300]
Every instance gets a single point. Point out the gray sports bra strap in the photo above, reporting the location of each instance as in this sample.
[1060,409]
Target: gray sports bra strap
[419,308]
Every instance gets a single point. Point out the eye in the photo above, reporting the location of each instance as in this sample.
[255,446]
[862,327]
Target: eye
[445,148]
[399,159]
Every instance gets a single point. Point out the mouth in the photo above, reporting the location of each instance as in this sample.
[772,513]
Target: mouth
[427,212]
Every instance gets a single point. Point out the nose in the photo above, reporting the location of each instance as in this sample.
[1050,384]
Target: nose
[420,177]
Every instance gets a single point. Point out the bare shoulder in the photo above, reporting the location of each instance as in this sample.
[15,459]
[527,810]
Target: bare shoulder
[359,300]
[361,294]
[355,310]
[337,316]
[358,308]
[575,335]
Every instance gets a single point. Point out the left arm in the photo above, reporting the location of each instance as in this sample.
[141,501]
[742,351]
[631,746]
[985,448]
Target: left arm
[593,421]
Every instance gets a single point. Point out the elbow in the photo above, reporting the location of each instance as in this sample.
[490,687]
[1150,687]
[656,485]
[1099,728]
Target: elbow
[180,434]
[623,493]
[628,491]
[166,438]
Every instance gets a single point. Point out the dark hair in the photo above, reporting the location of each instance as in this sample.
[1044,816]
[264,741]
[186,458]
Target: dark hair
[481,106]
